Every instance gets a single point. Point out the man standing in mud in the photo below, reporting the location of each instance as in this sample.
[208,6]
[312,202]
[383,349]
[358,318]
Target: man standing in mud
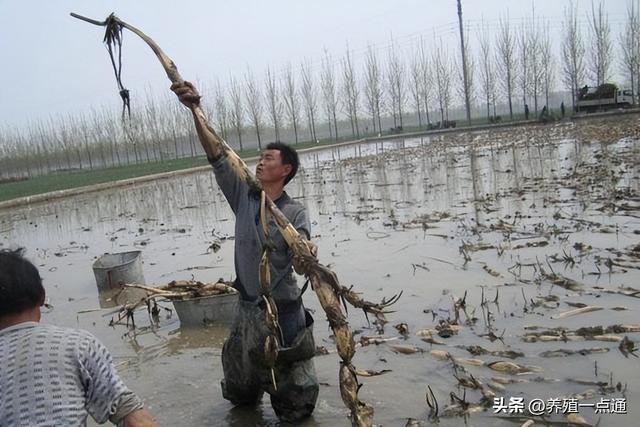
[246,372]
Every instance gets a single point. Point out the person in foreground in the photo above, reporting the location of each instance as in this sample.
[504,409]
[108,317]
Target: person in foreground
[246,373]
[52,376]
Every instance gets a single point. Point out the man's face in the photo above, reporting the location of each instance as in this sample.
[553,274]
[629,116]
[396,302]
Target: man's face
[270,168]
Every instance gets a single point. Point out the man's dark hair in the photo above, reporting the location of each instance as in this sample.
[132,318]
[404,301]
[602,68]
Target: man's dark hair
[289,157]
[20,283]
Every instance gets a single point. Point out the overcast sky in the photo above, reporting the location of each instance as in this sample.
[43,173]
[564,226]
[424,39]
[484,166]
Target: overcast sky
[53,64]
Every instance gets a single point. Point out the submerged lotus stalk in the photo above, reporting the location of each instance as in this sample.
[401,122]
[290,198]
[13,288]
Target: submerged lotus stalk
[324,281]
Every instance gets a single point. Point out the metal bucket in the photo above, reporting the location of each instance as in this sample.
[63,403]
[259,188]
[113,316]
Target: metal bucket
[218,309]
[114,270]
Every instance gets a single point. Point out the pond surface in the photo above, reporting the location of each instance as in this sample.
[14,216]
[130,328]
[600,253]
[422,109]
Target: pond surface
[528,223]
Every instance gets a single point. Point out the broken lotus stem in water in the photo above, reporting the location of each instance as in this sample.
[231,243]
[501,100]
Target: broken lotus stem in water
[324,281]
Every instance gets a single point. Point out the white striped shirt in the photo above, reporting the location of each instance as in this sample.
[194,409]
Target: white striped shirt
[52,376]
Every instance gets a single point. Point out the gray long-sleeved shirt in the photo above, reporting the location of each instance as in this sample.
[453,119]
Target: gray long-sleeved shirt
[249,239]
[52,376]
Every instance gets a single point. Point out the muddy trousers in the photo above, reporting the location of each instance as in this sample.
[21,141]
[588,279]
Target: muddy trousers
[246,376]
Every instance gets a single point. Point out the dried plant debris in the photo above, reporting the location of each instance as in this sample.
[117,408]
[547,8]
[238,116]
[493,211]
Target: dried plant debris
[405,349]
[577,311]
[375,339]
[628,347]
[402,328]
[476,350]
[560,280]
[626,291]
[440,354]
[512,368]
[186,289]
[566,352]
[589,333]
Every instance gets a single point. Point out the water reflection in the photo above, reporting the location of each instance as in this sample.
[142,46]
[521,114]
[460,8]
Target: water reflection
[174,221]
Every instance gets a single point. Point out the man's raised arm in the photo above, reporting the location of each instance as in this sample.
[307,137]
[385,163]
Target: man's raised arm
[233,186]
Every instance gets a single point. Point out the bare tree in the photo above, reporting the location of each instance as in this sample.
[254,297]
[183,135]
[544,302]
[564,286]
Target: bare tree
[237,109]
[309,95]
[110,126]
[5,153]
[62,136]
[96,135]
[84,131]
[396,85]
[167,126]
[328,85]
[524,76]
[547,63]
[274,103]
[572,53]
[137,129]
[442,74]
[427,79]
[10,156]
[465,78]
[415,84]
[535,64]
[32,137]
[76,137]
[600,61]
[23,158]
[68,133]
[637,45]
[291,100]
[487,73]
[373,88]
[630,44]
[191,133]
[465,65]
[150,121]
[15,158]
[507,61]
[392,105]
[221,109]
[254,103]
[350,93]
[172,121]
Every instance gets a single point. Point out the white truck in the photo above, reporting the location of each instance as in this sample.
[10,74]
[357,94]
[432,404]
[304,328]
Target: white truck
[603,97]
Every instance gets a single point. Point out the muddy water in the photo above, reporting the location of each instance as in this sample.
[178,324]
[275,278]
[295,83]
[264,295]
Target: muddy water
[433,217]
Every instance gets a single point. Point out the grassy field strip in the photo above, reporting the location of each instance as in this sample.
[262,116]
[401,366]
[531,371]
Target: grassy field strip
[58,185]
